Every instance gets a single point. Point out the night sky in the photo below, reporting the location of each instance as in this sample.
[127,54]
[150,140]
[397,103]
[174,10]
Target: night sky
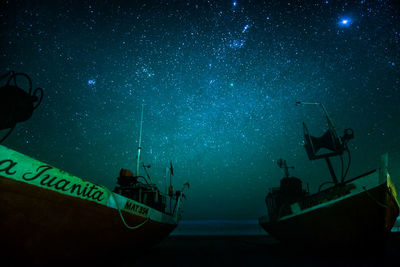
[218,80]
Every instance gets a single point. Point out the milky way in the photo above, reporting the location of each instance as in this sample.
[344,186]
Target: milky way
[218,80]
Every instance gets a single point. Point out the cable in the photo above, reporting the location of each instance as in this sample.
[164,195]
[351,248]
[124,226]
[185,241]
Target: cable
[349,163]
[40,99]
[374,199]
[342,165]
[14,77]
[7,134]
[122,217]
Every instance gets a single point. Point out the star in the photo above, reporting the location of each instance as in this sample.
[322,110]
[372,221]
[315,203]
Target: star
[91,82]
[236,44]
[345,22]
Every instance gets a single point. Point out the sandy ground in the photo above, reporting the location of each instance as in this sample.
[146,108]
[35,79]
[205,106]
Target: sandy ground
[240,250]
[258,251]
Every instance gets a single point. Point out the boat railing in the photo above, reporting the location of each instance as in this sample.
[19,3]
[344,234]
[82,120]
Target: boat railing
[273,190]
[360,176]
[326,195]
[171,203]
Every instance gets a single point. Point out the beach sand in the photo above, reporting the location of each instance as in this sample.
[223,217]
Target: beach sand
[260,250]
[224,250]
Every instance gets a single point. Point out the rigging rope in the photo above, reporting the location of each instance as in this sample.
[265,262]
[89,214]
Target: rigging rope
[122,217]
[374,199]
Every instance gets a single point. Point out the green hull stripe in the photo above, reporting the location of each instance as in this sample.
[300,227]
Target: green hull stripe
[20,167]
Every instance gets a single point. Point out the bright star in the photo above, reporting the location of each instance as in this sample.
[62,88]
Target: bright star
[236,44]
[91,82]
[344,22]
[234,3]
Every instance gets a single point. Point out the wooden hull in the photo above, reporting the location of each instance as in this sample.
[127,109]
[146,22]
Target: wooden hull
[39,224]
[42,224]
[364,217]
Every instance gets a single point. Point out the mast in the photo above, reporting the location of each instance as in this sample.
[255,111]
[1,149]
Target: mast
[329,140]
[140,143]
[166,180]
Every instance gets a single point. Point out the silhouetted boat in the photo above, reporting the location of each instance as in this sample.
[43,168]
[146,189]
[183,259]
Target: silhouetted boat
[47,214]
[357,211]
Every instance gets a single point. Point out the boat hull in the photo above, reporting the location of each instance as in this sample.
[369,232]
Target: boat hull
[364,218]
[38,224]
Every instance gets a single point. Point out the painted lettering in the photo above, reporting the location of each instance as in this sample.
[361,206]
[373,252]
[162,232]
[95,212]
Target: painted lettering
[98,195]
[84,190]
[136,208]
[62,184]
[45,168]
[90,190]
[6,166]
[48,182]
[78,187]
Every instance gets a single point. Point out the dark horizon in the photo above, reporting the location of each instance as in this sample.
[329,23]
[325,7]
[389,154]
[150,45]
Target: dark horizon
[219,82]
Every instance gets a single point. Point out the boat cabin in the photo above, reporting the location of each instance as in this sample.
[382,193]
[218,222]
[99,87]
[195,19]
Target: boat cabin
[139,189]
[280,199]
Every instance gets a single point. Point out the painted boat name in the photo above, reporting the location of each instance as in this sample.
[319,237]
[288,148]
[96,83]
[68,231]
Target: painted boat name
[89,190]
[136,208]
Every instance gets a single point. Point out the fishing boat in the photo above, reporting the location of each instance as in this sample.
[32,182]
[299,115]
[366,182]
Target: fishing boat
[50,216]
[358,212]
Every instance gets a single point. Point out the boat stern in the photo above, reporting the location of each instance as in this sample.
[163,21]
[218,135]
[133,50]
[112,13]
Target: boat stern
[393,207]
[391,204]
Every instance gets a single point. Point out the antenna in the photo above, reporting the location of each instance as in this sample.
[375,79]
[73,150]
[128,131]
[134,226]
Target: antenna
[140,143]
[282,164]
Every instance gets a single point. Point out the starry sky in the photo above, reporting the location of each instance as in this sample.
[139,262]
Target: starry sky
[218,80]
